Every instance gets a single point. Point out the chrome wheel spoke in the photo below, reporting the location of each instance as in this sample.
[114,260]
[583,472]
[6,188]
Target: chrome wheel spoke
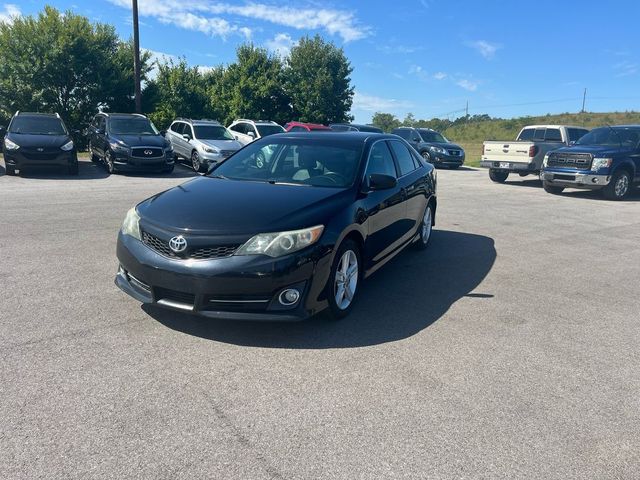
[346,279]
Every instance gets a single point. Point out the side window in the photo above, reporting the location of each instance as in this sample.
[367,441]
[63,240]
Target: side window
[553,135]
[102,123]
[237,128]
[177,127]
[526,134]
[576,134]
[404,133]
[251,128]
[297,129]
[404,158]
[381,161]
[187,130]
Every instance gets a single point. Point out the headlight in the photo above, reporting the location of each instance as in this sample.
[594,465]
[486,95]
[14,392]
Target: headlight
[281,243]
[67,146]
[131,224]
[439,150]
[209,149]
[599,163]
[544,162]
[119,147]
[9,145]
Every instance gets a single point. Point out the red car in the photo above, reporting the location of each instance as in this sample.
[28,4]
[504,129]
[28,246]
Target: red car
[305,127]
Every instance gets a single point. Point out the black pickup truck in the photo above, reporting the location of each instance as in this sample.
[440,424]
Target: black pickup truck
[607,159]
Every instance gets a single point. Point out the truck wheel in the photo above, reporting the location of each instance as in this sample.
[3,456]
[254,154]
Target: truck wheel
[551,189]
[618,187]
[498,176]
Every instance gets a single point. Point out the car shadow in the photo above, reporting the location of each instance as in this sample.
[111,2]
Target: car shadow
[524,182]
[403,298]
[633,196]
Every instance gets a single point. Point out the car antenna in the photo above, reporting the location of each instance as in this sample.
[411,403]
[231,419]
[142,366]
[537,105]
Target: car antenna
[615,133]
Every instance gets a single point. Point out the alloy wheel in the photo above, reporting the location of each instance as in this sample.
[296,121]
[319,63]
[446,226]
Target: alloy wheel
[195,162]
[427,226]
[346,279]
[622,186]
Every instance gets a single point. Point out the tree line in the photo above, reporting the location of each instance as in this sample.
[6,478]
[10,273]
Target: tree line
[62,62]
[388,121]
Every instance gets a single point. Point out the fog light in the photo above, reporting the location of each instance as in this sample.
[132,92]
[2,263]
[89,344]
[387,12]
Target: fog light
[289,296]
[594,180]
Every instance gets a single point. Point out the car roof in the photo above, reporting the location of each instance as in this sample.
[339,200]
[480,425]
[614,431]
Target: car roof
[622,126]
[201,121]
[554,126]
[115,114]
[350,138]
[37,114]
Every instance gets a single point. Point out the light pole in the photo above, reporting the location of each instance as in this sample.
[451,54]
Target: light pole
[136,57]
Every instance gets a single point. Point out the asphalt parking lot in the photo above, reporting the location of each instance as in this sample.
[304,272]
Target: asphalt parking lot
[509,349]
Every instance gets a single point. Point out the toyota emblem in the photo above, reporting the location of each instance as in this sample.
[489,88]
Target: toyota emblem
[149,152]
[178,244]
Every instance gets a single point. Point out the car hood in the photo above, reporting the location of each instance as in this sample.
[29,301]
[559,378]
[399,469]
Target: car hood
[446,145]
[232,207]
[34,141]
[595,150]
[223,144]
[140,140]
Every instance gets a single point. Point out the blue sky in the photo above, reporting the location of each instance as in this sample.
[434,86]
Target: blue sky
[428,57]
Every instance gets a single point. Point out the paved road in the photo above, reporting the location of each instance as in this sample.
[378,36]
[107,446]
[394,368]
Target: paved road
[508,350]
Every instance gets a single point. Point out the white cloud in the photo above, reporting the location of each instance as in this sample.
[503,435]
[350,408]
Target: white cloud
[626,68]
[371,103]
[440,75]
[467,85]
[281,44]
[196,15]
[399,49]
[484,48]
[9,12]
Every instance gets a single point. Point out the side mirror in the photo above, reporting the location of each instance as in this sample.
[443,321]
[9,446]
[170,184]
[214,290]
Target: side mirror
[416,139]
[378,181]
[572,143]
[252,135]
[163,132]
[186,136]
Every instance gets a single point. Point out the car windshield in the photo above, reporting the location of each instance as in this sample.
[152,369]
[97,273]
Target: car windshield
[611,136]
[212,132]
[37,125]
[294,161]
[266,130]
[432,137]
[132,126]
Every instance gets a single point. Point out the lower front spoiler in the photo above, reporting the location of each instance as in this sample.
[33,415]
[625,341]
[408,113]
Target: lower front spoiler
[575,180]
[136,289]
[126,164]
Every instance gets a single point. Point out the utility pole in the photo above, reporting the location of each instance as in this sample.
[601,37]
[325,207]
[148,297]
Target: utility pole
[584,99]
[136,57]
[466,110]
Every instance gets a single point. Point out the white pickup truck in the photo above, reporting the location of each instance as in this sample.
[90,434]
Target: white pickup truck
[525,155]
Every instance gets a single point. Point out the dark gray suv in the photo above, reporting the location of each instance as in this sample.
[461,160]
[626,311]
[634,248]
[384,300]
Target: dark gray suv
[433,146]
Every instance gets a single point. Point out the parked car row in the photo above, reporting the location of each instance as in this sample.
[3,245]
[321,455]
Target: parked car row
[605,158]
[130,142]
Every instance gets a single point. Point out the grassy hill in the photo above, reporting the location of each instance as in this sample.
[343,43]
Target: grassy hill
[471,135]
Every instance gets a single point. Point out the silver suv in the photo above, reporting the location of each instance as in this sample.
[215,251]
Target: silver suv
[202,142]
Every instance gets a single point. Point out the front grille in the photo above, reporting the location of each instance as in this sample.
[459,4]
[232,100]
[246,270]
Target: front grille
[455,153]
[580,161]
[174,296]
[201,253]
[227,153]
[235,303]
[148,152]
[40,156]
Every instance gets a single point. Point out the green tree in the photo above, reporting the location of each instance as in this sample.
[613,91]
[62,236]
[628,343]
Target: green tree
[386,121]
[252,87]
[409,120]
[318,81]
[62,63]
[179,91]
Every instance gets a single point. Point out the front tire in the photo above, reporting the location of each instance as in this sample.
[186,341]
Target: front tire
[169,169]
[619,186]
[94,157]
[344,279]
[426,228]
[11,171]
[551,189]
[109,162]
[196,163]
[74,170]
[498,176]
[425,155]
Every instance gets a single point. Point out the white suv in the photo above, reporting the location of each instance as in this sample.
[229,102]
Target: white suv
[246,131]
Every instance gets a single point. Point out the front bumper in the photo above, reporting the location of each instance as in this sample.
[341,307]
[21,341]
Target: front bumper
[23,159]
[574,179]
[447,160]
[509,166]
[125,162]
[235,287]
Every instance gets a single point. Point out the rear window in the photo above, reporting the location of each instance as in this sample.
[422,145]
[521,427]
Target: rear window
[37,125]
[538,134]
[404,133]
[576,134]
[553,135]
[526,134]
[266,130]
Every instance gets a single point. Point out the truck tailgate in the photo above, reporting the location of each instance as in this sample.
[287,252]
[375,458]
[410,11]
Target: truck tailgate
[507,151]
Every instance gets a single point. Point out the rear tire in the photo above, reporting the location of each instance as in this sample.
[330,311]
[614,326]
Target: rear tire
[498,176]
[11,171]
[344,280]
[619,186]
[551,189]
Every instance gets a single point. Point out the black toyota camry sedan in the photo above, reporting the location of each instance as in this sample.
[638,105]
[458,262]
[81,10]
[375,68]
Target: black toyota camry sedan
[286,227]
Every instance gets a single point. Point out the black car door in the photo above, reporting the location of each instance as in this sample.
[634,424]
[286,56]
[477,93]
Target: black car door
[385,209]
[411,183]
